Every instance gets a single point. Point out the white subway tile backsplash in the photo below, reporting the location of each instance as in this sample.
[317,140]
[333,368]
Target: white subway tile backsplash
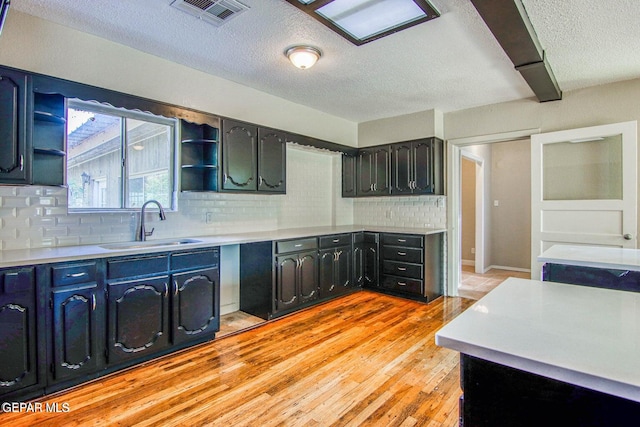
[32,216]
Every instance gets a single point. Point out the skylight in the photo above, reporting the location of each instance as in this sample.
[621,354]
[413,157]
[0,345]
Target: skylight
[362,21]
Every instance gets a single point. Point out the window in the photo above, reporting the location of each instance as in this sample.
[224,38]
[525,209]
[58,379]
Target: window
[118,159]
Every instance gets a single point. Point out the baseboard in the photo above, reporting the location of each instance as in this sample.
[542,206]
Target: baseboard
[468,262]
[502,267]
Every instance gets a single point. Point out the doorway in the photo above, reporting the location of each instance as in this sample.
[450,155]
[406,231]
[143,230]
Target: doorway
[496,257]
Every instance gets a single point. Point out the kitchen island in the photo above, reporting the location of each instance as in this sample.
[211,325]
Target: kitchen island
[540,353]
[597,266]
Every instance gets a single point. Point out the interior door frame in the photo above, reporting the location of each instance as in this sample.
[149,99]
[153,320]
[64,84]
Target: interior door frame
[454,228]
[479,194]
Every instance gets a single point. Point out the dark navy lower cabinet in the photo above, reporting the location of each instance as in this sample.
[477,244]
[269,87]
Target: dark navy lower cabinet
[138,313]
[622,280]
[195,305]
[77,331]
[75,319]
[19,356]
[497,395]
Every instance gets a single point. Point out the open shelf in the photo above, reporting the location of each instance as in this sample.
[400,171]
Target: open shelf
[198,157]
[44,116]
[49,139]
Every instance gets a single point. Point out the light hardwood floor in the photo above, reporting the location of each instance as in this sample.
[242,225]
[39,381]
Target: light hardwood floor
[475,286]
[363,359]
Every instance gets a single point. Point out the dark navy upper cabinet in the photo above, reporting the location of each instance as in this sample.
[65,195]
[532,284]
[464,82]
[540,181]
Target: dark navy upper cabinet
[416,167]
[14,90]
[239,156]
[373,171]
[253,158]
[272,161]
[403,168]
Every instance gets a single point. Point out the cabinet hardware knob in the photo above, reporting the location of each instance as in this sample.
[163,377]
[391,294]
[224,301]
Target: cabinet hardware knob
[166,289]
[336,240]
[402,269]
[224,178]
[298,245]
[402,283]
[176,291]
[402,253]
[402,240]
[627,236]
[93,307]
[21,162]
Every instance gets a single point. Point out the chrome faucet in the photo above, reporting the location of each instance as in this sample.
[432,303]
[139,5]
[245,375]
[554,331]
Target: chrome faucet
[143,234]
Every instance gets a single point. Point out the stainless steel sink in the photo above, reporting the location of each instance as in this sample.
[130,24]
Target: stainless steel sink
[148,244]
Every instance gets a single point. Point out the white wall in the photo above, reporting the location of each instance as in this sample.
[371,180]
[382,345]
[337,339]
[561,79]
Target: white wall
[511,219]
[422,124]
[36,45]
[468,210]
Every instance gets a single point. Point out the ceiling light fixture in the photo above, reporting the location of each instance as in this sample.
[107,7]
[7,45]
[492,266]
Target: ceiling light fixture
[362,21]
[303,57]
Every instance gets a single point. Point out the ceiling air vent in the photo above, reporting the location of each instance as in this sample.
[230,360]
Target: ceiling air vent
[215,12]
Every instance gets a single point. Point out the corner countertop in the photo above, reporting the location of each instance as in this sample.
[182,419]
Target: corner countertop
[580,335]
[592,256]
[21,257]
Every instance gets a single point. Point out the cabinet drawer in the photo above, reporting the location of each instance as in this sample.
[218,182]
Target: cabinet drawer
[335,240]
[408,240]
[71,274]
[194,259]
[397,253]
[402,269]
[412,286]
[296,245]
[141,266]
[17,281]
[371,237]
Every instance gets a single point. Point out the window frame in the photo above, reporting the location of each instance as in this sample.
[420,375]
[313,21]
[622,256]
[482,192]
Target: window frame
[123,114]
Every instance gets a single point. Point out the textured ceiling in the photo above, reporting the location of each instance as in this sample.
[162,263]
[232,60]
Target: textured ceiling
[450,63]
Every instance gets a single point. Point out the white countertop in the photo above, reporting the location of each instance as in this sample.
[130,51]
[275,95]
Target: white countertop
[585,336]
[15,258]
[592,256]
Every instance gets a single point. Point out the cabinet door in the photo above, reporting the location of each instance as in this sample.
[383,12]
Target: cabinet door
[308,276]
[423,167]
[382,180]
[402,168]
[343,269]
[349,175]
[13,126]
[326,272]
[272,161]
[195,304]
[366,172]
[371,265]
[18,343]
[78,335]
[286,295]
[239,156]
[138,313]
[358,265]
